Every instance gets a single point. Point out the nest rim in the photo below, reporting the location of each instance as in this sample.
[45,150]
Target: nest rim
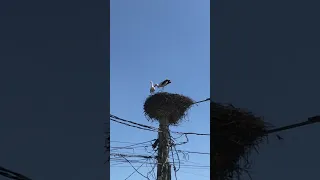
[172,106]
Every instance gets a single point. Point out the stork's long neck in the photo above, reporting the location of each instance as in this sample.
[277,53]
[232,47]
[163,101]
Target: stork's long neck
[151,83]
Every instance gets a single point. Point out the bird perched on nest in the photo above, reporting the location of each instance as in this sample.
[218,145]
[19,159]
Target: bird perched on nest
[163,83]
[152,88]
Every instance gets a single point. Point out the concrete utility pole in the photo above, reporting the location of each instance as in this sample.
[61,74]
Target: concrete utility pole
[163,168]
[168,109]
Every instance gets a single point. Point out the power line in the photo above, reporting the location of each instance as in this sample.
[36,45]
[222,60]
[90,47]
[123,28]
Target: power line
[138,169]
[193,152]
[133,125]
[142,125]
[182,166]
[208,99]
[150,128]
[12,175]
[128,155]
[132,145]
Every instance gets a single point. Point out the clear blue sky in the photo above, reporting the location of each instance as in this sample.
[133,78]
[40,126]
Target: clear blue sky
[276,44]
[155,40]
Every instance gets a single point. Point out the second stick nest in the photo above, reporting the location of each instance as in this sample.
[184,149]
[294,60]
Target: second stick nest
[235,132]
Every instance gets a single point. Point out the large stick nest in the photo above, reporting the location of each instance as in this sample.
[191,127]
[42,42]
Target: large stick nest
[167,105]
[235,132]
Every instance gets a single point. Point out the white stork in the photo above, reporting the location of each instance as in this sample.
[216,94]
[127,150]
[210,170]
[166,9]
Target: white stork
[152,88]
[163,83]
